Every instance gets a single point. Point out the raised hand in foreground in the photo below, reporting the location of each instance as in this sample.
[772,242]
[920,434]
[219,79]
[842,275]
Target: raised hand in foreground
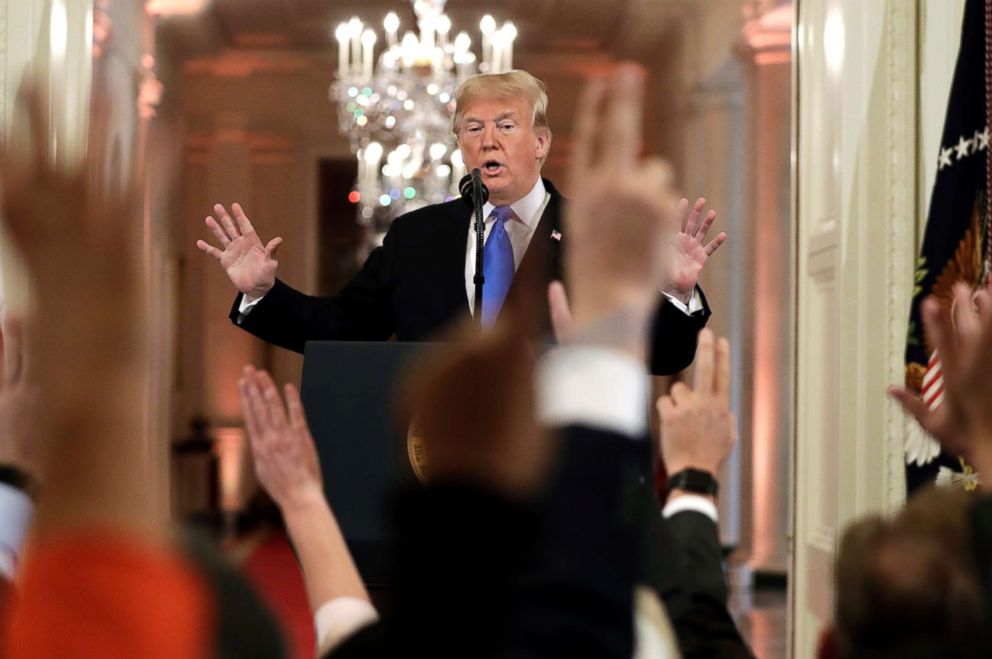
[81,245]
[697,427]
[963,422]
[620,216]
[281,446]
[250,264]
[287,467]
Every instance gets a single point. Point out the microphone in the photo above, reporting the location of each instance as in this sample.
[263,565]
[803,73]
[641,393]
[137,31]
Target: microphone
[475,194]
[467,188]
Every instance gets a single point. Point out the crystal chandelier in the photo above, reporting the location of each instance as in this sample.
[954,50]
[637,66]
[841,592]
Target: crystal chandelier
[396,107]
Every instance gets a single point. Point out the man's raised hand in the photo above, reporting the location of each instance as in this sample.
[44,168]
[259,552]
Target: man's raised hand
[689,250]
[250,264]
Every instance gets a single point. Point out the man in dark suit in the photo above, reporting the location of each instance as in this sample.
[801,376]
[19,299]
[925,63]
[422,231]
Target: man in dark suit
[420,280]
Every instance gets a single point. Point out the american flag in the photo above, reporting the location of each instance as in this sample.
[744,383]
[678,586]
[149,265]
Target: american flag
[956,241]
[933,383]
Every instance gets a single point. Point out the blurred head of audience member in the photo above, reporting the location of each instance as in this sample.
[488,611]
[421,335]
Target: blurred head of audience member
[909,586]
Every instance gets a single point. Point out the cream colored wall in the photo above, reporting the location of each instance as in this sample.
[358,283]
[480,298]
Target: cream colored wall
[856,203]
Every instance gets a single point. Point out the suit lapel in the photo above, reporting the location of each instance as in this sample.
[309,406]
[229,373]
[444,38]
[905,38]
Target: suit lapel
[542,260]
[459,218]
[543,252]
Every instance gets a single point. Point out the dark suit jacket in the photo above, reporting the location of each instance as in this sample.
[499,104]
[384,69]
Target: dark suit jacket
[699,614]
[414,285]
[483,577]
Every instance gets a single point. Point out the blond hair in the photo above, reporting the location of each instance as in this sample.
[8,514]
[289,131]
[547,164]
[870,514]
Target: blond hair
[513,84]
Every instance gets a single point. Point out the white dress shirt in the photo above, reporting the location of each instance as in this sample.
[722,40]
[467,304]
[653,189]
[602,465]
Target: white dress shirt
[527,213]
[16,511]
[339,618]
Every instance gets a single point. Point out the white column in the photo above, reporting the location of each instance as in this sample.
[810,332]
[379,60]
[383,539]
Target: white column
[768,269]
[715,167]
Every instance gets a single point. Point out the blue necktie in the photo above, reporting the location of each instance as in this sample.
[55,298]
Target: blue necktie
[497,266]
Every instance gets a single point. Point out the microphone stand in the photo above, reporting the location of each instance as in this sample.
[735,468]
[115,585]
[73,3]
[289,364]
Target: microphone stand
[480,232]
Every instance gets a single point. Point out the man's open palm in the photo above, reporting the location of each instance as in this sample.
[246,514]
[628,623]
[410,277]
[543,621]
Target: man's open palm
[689,250]
[250,264]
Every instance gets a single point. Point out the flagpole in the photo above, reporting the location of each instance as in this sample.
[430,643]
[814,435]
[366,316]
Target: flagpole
[988,152]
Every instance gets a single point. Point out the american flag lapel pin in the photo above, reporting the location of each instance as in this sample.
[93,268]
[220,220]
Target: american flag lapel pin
[556,235]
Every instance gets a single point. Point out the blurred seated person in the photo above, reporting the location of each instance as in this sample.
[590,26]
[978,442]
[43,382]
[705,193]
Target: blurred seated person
[910,586]
[102,576]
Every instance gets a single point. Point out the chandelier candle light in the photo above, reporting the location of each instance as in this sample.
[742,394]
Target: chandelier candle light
[396,106]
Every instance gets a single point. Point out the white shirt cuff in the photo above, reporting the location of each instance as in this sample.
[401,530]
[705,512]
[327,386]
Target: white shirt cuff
[695,303]
[246,305]
[593,386]
[690,502]
[16,510]
[339,618]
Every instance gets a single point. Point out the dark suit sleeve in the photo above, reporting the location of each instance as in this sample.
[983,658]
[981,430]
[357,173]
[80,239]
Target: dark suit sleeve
[699,553]
[702,621]
[682,561]
[674,334]
[361,311]
[578,601]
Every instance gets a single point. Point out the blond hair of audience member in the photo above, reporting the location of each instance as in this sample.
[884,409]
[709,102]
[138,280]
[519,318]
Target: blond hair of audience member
[909,586]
